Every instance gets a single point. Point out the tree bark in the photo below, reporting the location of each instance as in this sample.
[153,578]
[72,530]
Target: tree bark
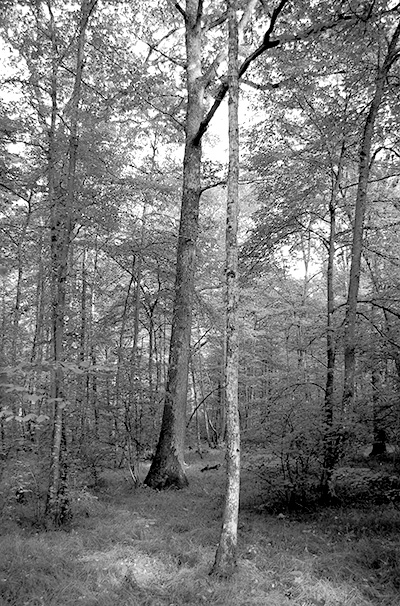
[20,274]
[167,466]
[361,199]
[225,559]
[37,344]
[57,511]
[329,404]
[135,399]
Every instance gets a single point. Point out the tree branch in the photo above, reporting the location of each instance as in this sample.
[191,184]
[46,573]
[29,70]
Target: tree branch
[218,21]
[154,47]
[380,306]
[199,11]
[257,86]
[222,55]
[267,44]
[198,405]
[179,9]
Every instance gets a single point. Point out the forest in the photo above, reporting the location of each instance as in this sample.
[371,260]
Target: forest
[200,302]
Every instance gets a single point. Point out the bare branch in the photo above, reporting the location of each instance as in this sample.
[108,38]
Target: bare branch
[275,14]
[212,185]
[10,189]
[179,9]
[153,47]
[199,11]
[218,21]
[257,86]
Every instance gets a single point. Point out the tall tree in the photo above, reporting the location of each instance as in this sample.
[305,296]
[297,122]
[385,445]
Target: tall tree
[61,203]
[166,469]
[225,560]
[391,55]
[167,466]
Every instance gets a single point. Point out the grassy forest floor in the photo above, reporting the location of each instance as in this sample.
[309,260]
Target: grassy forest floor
[133,546]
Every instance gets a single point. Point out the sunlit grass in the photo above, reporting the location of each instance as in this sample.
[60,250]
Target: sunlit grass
[138,547]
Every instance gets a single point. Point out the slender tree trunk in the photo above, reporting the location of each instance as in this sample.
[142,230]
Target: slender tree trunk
[20,274]
[135,398]
[150,362]
[330,357]
[207,425]
[225,560]
[57,510]
[37,344]
[202,395]
[119,401]
[379,443]
[329,403]
[81,397]
[196,407]
[361,199]
[377,372]
[57,507]
[91,346]
[120,352]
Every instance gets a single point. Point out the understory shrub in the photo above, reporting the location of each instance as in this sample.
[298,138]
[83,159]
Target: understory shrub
[361,484]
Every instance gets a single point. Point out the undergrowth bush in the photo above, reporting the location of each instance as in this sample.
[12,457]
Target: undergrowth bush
[292,482]
[83,502]
[23,488]
[361,484]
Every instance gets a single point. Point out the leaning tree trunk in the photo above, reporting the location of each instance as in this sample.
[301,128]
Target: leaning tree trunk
[225,560]
[361,199]
[167,466]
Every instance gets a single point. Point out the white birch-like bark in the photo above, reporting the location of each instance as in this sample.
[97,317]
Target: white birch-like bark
[225,560]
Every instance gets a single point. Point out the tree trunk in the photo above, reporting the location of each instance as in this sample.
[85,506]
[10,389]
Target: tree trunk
[82,380]
[57,510]
[361,199]
[167,466]
[225,559]
[379,443]
[135,399]
[20,274]
[328,435]
[37,344]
